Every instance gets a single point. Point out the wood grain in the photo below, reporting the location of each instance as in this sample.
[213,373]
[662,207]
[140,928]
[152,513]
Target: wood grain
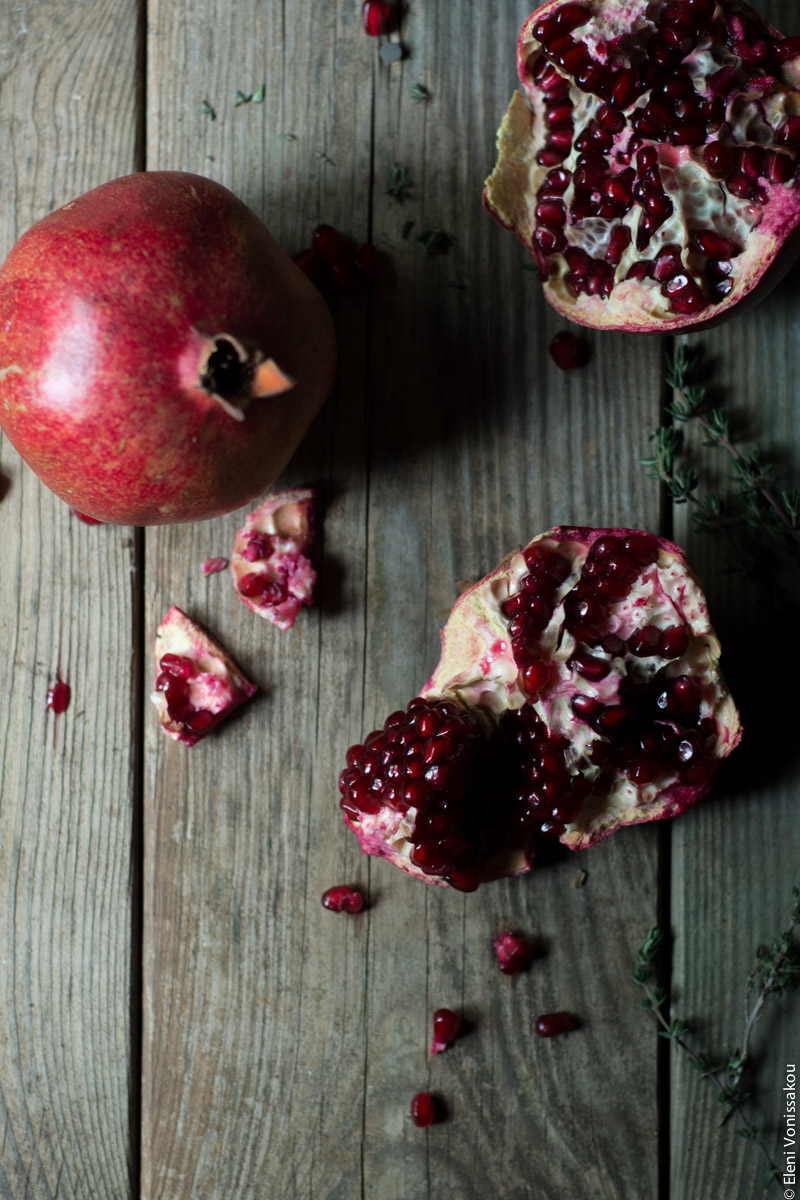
[450,438]
[68,95]
[735,858]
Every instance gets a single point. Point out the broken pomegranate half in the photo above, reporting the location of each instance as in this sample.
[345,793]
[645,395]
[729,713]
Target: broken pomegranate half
[198,684]
[578,690]
[651,165]
[270,565]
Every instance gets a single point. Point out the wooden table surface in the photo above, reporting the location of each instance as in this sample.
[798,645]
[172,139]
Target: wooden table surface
[179,1017]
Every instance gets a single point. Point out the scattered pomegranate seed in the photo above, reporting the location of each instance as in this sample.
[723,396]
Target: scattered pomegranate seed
[568,352]
[379,17]
[446,1028]
[513,953]
[212,565]
[423,1109]
[552,1024]
[342,899]
[328,243]
[58,696]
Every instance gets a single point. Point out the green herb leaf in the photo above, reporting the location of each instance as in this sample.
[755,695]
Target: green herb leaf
[435,241]
[419,93]
[207,111]
[399,183]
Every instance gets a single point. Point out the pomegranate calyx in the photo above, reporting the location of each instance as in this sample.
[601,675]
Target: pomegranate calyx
[233,375]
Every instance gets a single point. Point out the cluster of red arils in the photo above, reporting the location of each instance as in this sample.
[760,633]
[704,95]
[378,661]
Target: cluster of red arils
[332,265]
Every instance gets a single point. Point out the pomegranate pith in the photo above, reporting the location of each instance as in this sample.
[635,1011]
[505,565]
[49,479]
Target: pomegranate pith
[578,690]
[651,142]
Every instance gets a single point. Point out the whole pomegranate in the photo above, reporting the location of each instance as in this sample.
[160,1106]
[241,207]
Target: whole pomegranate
[160,355]
[651,165]
[578,690]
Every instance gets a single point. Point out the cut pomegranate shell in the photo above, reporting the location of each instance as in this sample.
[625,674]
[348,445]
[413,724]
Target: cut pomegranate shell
[198,684]
[651,142]
[578,690]
[270,565]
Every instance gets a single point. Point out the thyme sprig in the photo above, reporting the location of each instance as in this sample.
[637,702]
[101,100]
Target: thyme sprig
[776,970]
[757,502]
[399,183]
[436,241]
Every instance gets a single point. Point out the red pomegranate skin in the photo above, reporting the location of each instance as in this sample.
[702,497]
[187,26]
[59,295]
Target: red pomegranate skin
[106,306]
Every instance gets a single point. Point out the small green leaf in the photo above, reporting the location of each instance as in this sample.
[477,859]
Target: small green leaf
[207,111]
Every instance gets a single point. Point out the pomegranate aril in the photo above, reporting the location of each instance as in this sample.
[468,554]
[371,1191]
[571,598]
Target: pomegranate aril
[328,242]
[551,155]
[199,720]
[690,301]
[645,642]
[674,641]
[58,696]
[568,352]
[423,1109]
[786,48]
[513,953]
[569,16]
[586,708]
[789,132]
[446,1028]
[720,158]
[551,213]
[342,898]
[177,665]
[534,676]
[552,1024]
[618,243]
[739,185]
[589,667]
[779,168]
[625,89]
[714,245]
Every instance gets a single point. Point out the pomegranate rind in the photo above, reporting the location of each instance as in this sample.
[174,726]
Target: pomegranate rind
[218,685]
[477,667]
[286,519]
[769,234]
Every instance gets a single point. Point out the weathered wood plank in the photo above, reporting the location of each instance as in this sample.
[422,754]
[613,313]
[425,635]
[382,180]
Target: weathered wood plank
[68,95]
[478,444]
[735,858]
[253,1051]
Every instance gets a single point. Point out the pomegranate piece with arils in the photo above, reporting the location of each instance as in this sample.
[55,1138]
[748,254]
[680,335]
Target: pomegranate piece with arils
[578,690]
[161,356]
[270,565]
[198,684]
[650,164]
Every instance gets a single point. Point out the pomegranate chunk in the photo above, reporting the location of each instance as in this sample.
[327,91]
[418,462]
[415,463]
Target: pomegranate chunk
[270,565]
[198,684]
[423,1109]
[342,898]
[578,690]
[212,566]
[650,109]
[446,1028]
